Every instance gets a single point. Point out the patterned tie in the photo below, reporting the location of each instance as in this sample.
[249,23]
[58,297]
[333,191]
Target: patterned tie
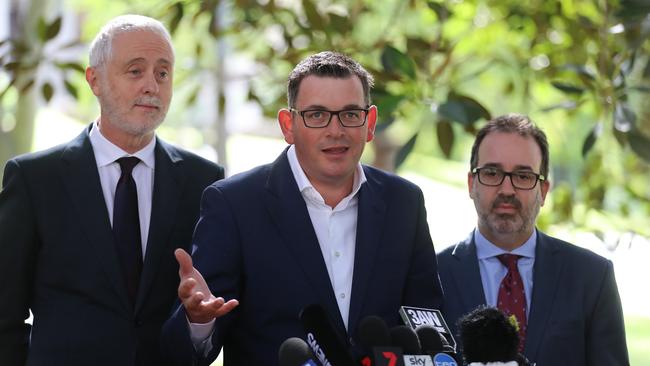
[512,298]
[126,226]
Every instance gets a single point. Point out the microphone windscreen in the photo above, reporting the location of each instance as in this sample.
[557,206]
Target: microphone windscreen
[294,352]
[373,332]
[431,340]
[488,336]
[404,337]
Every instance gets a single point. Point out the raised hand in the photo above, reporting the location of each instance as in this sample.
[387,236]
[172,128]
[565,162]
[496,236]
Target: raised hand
[200,305]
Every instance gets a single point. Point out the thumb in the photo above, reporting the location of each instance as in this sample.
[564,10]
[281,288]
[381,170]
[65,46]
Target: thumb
[184,261]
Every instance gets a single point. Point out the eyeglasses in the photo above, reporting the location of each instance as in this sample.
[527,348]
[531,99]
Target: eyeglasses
[320,118]
[520,179]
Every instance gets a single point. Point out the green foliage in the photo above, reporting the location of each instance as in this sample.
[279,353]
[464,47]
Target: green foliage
[579,68]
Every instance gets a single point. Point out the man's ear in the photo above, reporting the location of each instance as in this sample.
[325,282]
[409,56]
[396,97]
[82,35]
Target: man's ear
[285,119]
[470,183]
[371,119]
[91,78]
[546,186]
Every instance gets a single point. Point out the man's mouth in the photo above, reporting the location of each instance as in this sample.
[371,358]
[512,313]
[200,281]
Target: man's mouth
[336,150]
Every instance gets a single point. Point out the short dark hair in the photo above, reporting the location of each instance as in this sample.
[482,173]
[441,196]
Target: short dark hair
[488,336]
[328,64]
[513,123]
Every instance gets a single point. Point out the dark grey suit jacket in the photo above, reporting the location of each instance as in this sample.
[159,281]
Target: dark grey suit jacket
[58,259]
[575,314]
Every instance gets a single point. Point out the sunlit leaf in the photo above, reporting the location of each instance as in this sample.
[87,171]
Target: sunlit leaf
[394,61]
[71,66]
[405,150]
[191,99]
[445,134]
[179,11]
[441,11]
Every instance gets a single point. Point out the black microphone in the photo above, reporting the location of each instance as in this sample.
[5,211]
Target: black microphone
[415,317]
[295,352]
[436,345]
[488,336]
[326,343]
[404,337]
[375,339]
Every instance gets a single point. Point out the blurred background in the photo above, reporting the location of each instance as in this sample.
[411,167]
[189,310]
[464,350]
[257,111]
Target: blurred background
[579,68]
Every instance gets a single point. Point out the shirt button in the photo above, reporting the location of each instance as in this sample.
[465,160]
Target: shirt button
[337,254]
[342,295]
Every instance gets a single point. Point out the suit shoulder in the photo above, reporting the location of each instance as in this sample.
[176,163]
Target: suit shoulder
[389,180]
[574,252]
[245,181]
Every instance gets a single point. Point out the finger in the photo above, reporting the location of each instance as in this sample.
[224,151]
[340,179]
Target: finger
[184,261]
[220,308]
[186,288]
[194,303]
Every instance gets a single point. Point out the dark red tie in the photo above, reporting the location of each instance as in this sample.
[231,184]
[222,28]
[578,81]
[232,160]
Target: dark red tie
[512,298]
[126,226]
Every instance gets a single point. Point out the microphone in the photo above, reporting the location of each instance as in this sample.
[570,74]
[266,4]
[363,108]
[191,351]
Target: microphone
[295,352]
[488,336]
[415,317]
[375,339]
[404,337]
[326,343]
[435,344]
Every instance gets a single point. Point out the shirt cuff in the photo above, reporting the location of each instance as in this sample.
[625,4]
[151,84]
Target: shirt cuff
[201,335]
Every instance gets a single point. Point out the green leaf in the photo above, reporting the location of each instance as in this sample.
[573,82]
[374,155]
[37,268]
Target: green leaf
[191,99]
[445,134]
[386,104]
[405,150]
[441,11]
[41,29]
[313,16]
[591,138]
[624,117]
[53,29]
[48,91]
[179,11]
[71,88]
[72,66]
[394,61]
[566,105]
[463,109]
[640,144]
[567,88]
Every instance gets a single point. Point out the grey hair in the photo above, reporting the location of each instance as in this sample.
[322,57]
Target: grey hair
[101,46]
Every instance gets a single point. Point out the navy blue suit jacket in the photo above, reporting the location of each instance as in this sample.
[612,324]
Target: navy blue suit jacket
[256,243]
[575,314]
[59,260]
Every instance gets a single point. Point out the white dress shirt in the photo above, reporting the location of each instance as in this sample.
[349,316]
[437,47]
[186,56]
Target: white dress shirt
[106,154]
[336,231]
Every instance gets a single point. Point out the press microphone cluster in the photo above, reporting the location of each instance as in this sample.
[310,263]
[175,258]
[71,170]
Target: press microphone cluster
[403,346]
[421,344]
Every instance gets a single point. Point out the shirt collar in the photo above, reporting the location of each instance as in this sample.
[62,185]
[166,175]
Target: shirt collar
[486,249]
[304,185]
[107,153]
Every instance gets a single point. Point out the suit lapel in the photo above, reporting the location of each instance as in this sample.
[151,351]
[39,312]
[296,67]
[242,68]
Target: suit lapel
[168,182]
[370,218]
[467,276]
[80,176]
[546,275]
[289,211]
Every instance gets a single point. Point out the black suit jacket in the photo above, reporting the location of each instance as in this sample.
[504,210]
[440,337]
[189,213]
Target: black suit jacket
[256,243]
[58,258]
[575,314]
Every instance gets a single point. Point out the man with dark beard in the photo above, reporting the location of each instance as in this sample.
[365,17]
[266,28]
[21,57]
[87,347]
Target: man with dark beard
[88,228]
[563,298]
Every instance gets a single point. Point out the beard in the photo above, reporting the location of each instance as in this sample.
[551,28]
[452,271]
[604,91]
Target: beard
[117,113]
[520,222]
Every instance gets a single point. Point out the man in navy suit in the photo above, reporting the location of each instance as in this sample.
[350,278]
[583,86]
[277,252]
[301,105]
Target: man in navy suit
[571,311]
[313,227]
[97,300]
